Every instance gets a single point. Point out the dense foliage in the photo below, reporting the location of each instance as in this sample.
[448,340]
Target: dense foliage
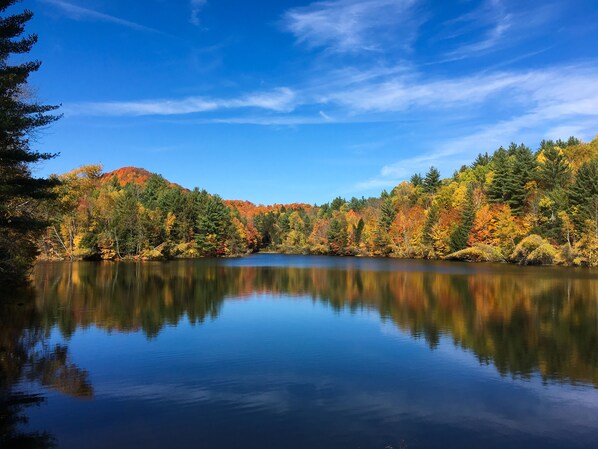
[519,205]
[20,224]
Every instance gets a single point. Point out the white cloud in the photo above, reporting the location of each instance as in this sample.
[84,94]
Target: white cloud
[279,100]
[196,8]
[553,103]
[351,25]
[79,13]
[406,92]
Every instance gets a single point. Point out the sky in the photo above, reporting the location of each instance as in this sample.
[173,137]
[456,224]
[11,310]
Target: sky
[278,101]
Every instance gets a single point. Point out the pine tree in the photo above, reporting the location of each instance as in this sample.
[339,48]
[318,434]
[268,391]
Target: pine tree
[432,180]
[431,220]
[358,231]
[481,160]
[337,235]
[522,172]
[497,191]
[584,195]
[19,118]
[417,180]
[387,213]
[213,227]
[460,235]
[555,171]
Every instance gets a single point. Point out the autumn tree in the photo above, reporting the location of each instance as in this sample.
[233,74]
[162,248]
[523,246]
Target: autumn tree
[20,225]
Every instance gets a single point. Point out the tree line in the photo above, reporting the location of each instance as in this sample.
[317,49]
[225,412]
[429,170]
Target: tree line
[518,205]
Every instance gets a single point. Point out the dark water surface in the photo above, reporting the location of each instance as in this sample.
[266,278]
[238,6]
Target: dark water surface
[301,352]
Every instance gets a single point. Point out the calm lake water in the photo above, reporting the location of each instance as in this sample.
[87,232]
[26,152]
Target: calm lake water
[275,351]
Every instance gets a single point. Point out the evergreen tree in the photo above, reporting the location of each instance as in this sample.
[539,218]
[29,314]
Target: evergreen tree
[337,203]
[497,191]
[417,180]
[431,220]
[555,171]
[432,180]
[460,235]
[481,160]
[522,172]
[357,203]
[337,235]
[19,118]
[358,231]
[387,213]
[213,228]
[584,195]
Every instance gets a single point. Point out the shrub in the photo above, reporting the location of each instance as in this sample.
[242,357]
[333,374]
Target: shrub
[542,255]
[478,253]
[534,250]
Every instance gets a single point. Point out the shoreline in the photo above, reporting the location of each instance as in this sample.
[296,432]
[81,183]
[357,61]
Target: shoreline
[298,253]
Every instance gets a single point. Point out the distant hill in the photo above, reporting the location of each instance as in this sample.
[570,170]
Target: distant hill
[135,175]
[139,176]
[249,210]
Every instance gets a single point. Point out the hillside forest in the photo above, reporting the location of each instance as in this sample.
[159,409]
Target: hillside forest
[513,205]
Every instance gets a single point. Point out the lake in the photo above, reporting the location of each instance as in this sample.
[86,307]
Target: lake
[273,351]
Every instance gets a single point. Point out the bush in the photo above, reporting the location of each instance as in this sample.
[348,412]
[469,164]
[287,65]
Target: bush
[543,255]
[526,247]
[478,253]
[534,250]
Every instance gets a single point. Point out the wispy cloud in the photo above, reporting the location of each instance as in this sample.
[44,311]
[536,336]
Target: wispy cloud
[196,8]
[279,100]
[410,91]
[346,26]
[79,13]
[491,26]
[559,102]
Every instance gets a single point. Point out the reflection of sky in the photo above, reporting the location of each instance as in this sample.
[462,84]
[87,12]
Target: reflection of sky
[332,374]
[406,265]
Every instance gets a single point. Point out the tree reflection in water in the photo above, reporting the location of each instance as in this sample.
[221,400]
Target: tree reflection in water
[25,356]
[524,321]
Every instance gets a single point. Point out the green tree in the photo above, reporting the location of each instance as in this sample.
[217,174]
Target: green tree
[20,224]
[431,220]
[513,170]
[460,235]
[522,172]
[584,195]
[481,160]
[497,191]
[358,231]
[432,180]
[387,213]
[337,235]
[213,227]
[555,171]
[417,180]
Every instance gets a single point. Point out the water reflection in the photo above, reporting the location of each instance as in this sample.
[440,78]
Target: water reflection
[25,356]
[523,321]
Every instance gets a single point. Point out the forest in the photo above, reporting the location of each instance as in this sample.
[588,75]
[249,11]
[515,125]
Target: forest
[530,207]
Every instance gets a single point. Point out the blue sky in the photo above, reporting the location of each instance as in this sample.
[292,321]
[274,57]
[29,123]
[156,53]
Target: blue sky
[298,101]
